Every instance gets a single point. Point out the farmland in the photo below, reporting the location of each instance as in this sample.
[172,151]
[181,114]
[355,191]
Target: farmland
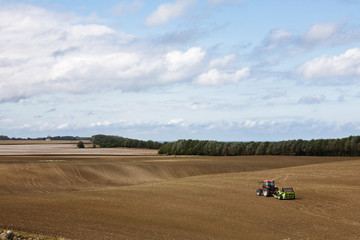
[59,190]
[22,142]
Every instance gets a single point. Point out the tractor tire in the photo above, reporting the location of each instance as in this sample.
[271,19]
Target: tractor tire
[258,192]
[266,192]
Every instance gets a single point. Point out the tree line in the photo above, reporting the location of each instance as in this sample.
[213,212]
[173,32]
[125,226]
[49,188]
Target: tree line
[68,138]
[109,141]
[349,146]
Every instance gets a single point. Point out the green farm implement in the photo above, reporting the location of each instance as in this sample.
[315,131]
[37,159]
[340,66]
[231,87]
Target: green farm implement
[285,193]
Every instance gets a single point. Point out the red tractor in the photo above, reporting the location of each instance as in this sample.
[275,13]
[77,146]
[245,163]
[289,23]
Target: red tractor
[267,188]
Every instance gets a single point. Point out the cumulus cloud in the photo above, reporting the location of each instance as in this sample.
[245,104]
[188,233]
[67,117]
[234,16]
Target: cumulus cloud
[46,52]
[328,34]
[320,32]
[168,11]
[223,62]
[177,60]
[343,67]
[38,46]
[216,77]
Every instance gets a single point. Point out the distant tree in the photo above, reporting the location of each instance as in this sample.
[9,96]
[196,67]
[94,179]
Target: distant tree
[110,141]
[80,144]
[3,137]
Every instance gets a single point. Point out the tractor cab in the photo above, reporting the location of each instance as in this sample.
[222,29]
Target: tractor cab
[267,188]
[269,184]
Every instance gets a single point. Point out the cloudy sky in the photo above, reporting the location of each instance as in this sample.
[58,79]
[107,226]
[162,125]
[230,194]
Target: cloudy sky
[226,70]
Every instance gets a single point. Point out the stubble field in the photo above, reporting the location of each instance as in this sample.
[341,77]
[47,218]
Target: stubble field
[148,196]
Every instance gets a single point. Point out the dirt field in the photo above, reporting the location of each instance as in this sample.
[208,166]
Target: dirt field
[68,149]
[159,197]
[22,142]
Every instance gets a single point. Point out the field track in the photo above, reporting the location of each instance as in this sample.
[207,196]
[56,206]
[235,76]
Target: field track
[179,197]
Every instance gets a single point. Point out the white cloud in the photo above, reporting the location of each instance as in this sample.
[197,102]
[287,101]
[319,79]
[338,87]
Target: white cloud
[249,123]
[320,32]
[100,124]
[223,62]
[177,60]
[176,121]
[345,66]
[216,77]
[62,126]
[90,30]
[167,11]
[46,52]
[282,42]
[35,41]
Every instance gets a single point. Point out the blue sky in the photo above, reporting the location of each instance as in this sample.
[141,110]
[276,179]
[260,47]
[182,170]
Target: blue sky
[226,70]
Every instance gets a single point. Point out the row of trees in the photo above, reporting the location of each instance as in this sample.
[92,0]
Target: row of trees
[116,141]
[321,147]
[68,138]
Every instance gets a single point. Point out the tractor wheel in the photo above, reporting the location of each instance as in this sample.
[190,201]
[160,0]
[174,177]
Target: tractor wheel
[266,192]
[259,192]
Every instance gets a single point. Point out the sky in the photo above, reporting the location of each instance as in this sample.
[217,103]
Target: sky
[225,70]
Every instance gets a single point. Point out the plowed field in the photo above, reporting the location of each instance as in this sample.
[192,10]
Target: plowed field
[178,197]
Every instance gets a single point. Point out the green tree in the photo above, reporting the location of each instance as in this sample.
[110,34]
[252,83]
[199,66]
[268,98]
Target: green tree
[3,137]
[80,144]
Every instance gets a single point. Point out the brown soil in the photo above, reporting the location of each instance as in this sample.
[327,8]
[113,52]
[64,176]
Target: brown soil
[159,197]
[68,149]
[22,142]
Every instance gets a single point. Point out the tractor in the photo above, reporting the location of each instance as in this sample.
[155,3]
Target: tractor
[267,188]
